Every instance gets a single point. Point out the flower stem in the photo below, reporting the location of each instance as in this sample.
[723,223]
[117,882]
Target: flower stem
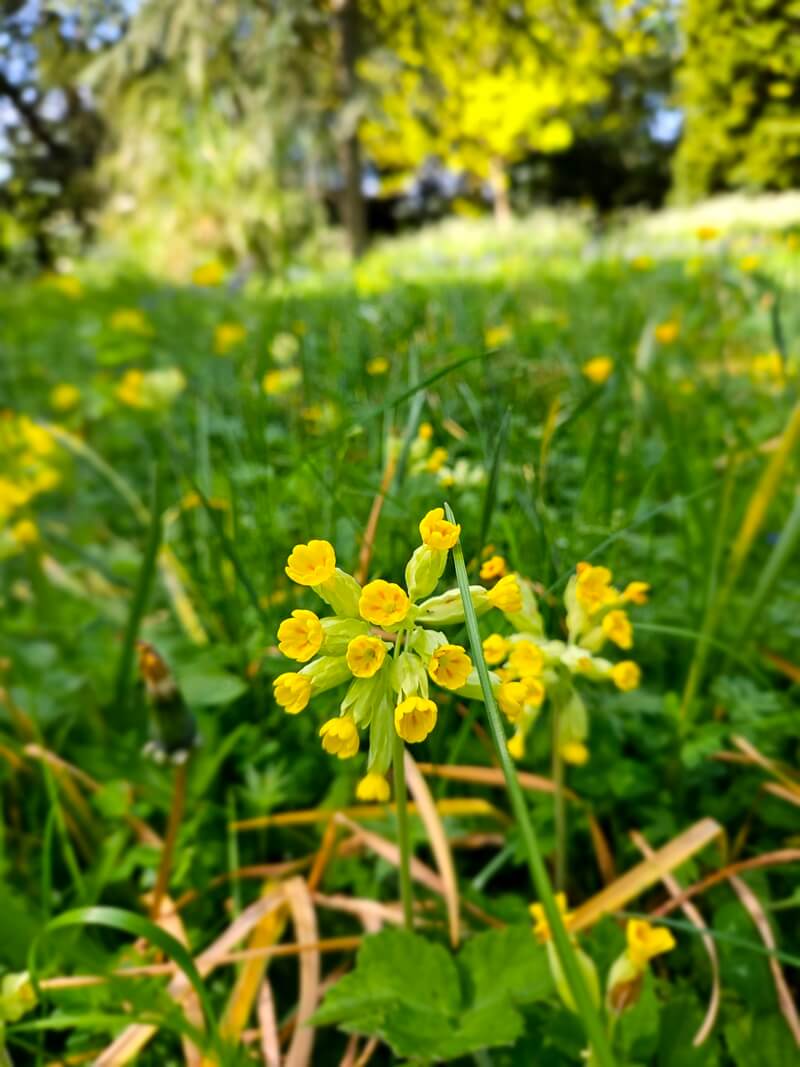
[168,850]
[403,838]
[587,1010]
[559,808]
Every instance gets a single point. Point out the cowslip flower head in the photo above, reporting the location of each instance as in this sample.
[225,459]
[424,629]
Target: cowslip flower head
[311,564]
[626,675]
[300,637]
[636,593]
[450,666]
[593,587]
[340,737]
[598,370]
[383,603]
[292,692]
[414,718]
[228,335]
[373,788]
[624,982]
[495,649]
[365,656]
[492,568]
[617,628]
[575,753]
[437,532]
[506,595]
[541,927]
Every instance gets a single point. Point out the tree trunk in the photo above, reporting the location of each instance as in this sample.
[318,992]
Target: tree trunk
[352,205]
[498,182]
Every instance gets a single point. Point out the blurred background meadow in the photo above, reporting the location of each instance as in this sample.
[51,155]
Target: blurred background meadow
[282,271]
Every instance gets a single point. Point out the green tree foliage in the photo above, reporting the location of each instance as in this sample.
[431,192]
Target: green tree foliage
[740,89]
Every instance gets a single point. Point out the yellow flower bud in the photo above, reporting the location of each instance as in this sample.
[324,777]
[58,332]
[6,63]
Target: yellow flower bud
[598,370]
[506,595]
[414,718]
[311,564]
[340,737]
[450,666]
[365,656]
[636,592]
[646,941]
[437,532]
[383,603]
[575,753]
[516,745]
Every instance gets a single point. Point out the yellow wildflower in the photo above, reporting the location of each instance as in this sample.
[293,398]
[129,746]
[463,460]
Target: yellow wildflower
[292,691]
[494,567]
[131,320]
[383,603]
[64,397]
[749,263]
[535,692]
[414,718]
[425,431]
[377,365]
[593,587]
[450,666]
[646,941]
[340,737]
[506,595]
[526,659]
[516,745]
[67,284]
[300,637]
[642,263]
[541,927]
[277,382]
[495,649]
[511,697]
[129,390]
[617,627]
[227,335]
[25,532]
[284,348]
[575,753]
[208,274]
[436,460]
[311,564]
[365,656]
[706,233]
[626,675]
[437,532]
[373,787]
[495,336]
[667,332]
[598,370]
[636,592]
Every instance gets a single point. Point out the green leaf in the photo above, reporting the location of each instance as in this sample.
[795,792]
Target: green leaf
[760,1041]
[680,1020]
[212,688]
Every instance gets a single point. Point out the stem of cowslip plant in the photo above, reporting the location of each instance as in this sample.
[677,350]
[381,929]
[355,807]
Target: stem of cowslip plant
[168,849]
[559,808]
[401,807]
[589,1014]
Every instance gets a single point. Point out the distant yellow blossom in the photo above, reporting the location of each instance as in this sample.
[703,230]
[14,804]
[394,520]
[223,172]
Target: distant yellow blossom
[25,532]
[617,627]
[209,274]
[383,603]
[283,380]
[642,263]
[593,587]
[645,941]
[667,332]
[311,564]
[749,263]
[67,284]
[541,928]
[377,365]
[425,431]
[516,745]
[706,233]
[495,336]
[575,753]
[494,567]
[414,718]
[526,659]
[511,696]
[131,320]
[636,592]
[373,787]
[626,675]
[150,390]
[598,370]
[340,737]
[228,335]
[284,348]
[436,460]
[495,649]
[64,397]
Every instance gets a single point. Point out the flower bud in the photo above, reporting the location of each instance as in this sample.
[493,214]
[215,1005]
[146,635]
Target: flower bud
[338,633]
[326,673]
[424,570]
[527,619]
[342,592]
[364,695]
[447,608]
[408,676]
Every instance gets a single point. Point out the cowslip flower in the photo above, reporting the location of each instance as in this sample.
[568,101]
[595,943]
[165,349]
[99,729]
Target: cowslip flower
[378,365]
[492,568]
[386,695]
[131,320]
[228,335]
[208,274]
[280,381]
[506,595]
[542,933]
[64,397]
[598,370]
[495,649]
[643,943]
[667,332]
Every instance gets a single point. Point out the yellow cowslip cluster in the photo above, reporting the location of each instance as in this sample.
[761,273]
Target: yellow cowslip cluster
[31,466]
[532,668]
[208,274]
[152,390]
[131,320]
[425,457]
[388,694]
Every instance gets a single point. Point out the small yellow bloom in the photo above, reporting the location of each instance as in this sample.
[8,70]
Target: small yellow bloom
[414,718]
[311,564]
[575,753]
[450,666]
[383,603]
[365,656]
[208,274]
[617,628]
[626,675]
[506,595]
[25,532]
[535,692]
[593,587]
[131,320]
[636,592]
[646,941]
[378,365]
[436,460]
[516,745]
[511,697]
[437,532]
[494,567]
[495,336]
[768,366]
[227,335]
[667,332]
[706,233]
[300,637]
[642,263]
[749,263]
[277,382]
[541,927]
[292,691]
[425,431]
[373,787]
[793,241]
[129,390]
[526,659]
[598,370]
[67,284]
[495,649]
[64,397]
[340,737]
